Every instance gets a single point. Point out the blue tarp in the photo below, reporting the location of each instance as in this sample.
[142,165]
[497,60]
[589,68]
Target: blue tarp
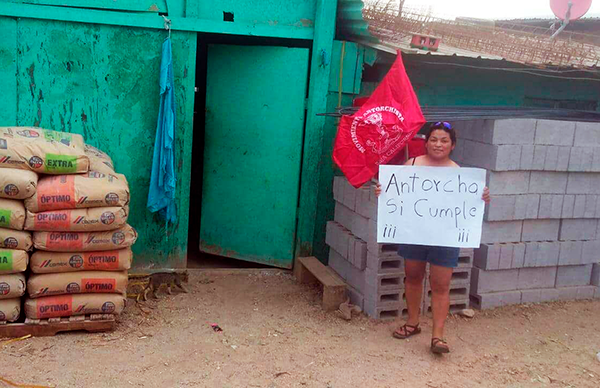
[161,196]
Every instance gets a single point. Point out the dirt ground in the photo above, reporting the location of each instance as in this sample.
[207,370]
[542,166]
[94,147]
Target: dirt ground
[276,335]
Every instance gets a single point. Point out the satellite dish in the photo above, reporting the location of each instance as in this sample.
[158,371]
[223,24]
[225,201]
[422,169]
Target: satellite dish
[578,8]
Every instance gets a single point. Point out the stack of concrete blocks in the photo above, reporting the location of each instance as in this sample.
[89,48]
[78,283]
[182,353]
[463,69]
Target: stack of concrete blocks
[374,272]
[541,232]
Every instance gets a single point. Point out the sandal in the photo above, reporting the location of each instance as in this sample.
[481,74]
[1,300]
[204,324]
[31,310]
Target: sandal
[414,330]
[439,346]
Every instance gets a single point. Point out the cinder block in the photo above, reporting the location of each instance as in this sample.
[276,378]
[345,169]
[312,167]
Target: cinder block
[349,195]
[590,252]
[551,162]
[338,263]
[579,208]
[576,159]
[356,298]
[465,258]
[578,229]
[364,206]
[553,132]
[511,131]
[567,293]
[570,253]
[526,207]
[360,226]
[372,245]
[557,204]
[545,210]
[587,159]
[487,256]
[548,253]
[492,157]
[501,231]
[483,281]
[590,206]
[564,155]
[360,254]
[540,230]
[598,207]
[343,215]
[389,311]
[338,238]
[388,263]
[568,208]
[583,183]
[527,152]
[595,279]
[518,256]
[585,292]
[544,182]
[597,293]
[455,306]
[574,275]
[539,157]
[529,278]
[351,247]
[486,301]
[596,160]
[531,254]
[511,182]
[377,282]
[501,208]
[587,134]
[460,277]
[458,293]
[531,296]
[338,189]
[385,297]
[549,295]
[506,255]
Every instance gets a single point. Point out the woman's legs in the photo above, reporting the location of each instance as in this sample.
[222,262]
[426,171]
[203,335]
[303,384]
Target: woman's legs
[440,299]
[415,273]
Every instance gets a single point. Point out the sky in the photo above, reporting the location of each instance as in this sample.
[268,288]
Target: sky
[495,9]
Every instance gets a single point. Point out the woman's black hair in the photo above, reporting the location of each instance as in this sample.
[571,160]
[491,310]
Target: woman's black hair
[444,126]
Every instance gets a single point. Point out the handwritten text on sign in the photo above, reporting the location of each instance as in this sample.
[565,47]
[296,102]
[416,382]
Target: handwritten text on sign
[439,206]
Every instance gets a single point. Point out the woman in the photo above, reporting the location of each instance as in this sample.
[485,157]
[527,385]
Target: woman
[440,141]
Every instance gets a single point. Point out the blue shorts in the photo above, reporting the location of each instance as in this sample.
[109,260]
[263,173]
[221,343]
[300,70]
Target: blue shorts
[442,256]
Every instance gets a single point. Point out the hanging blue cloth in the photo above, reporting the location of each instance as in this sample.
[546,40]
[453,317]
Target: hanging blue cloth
[161,196]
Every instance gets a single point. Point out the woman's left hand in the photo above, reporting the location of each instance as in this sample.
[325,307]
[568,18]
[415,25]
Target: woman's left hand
[486,196]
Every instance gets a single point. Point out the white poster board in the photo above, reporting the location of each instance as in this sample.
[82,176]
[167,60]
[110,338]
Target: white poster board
[438,206]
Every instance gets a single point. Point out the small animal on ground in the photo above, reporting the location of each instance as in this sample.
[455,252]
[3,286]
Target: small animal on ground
[168,279]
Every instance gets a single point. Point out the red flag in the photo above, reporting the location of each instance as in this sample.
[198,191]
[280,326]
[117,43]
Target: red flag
[380,129]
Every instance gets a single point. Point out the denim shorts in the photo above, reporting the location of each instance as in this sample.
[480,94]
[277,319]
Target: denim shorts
[442,256]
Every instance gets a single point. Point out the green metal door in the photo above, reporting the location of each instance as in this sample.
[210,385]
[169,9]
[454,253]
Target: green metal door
[253,148]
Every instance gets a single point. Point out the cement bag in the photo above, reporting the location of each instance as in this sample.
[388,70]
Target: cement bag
[17,184]
[70,305]
[12,214]
[10,310]
[79,191]
[42,151]
[77,220]
[53,262]
[15,239]
[85,242]
[13,261]
[99,161]
[84,282]
[12,286]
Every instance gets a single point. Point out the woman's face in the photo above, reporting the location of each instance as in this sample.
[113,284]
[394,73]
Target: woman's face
[439,145]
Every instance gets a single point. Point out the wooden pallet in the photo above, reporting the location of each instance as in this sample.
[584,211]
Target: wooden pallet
[92,323]
[310,270]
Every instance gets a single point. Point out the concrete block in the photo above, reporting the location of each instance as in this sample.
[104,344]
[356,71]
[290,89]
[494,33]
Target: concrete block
[511,131]
[590,252]
[506,255]
[465,258]
[364,206]
[578,229]
[360,226]
[533,205]
[551,162]
[455,306]
[557,204]
[330,231]
[511,182]
[587,159]
[579,207]
[564,155]
[351,248]
[585,292]
[483,281]
[377,282]
[356,298]
[529,278]
[518,256]
[389,311]
[540,230]
[501,231]
[590,206]
[548,253]
[570,253]
[531,296]
[539,157]
[487,256]
[520,211]
[548,182]
[587,134]
[583,183]
[343,215]
[338,263]
[531,254]
[457,293]
[389,263]
[385,297]
[501,208]
[574,275]
[576,159]
[549,295]
[372,245]
[486,301]
[553,132]
[508,158]
[597,293]
[567,293]
[349,195]
[338,189]
[595,280]
[545,210]
[598,207]
[337,237]
[568,207]
[596,160]
[360,254]
[527,152]
[460,277]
